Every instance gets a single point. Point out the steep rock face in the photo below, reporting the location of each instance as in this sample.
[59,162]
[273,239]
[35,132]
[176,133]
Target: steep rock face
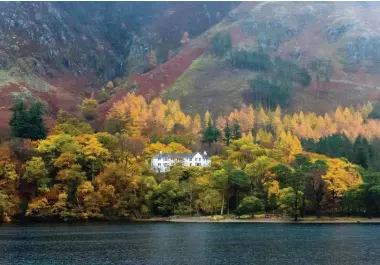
[62,51]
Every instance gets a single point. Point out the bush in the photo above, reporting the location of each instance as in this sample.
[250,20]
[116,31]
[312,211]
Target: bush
[250,205]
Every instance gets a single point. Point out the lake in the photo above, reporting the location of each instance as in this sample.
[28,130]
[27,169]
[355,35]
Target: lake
[190,243]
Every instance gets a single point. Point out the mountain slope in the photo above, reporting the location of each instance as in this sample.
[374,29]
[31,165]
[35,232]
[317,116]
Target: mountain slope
[60,52]
[337,43]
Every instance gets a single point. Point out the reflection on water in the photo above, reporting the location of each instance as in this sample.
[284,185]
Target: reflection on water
[186,243]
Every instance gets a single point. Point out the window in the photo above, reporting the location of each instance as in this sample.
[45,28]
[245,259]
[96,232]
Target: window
[166,159]
[198,164]
[190,164]
[159,164]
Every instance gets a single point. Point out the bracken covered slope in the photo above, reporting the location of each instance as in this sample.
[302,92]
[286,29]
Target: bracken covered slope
[60,52]
[338,43]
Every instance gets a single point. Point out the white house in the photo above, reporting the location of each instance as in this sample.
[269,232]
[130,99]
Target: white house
[162,162]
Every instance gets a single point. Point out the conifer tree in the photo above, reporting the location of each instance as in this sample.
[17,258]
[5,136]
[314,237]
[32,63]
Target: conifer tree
[27,124]
[18,120]
[227,134]
[37,129]
[236,131]
[211,134]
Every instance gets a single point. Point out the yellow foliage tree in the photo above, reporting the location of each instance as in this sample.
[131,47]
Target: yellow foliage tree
[88,108]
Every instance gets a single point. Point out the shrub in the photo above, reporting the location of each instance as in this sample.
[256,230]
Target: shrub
[250,205]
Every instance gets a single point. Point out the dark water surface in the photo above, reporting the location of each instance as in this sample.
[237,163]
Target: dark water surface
[190,243]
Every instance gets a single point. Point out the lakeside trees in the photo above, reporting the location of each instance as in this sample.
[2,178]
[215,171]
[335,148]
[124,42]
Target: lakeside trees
[258,165]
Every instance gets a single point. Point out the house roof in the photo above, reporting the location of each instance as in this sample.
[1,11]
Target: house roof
[178,155]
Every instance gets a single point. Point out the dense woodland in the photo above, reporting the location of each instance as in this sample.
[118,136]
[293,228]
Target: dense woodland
[262,162]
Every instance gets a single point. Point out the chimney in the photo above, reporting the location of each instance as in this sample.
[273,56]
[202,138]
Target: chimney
[205,153]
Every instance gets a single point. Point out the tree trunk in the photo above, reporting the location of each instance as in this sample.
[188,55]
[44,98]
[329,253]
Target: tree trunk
[228,204]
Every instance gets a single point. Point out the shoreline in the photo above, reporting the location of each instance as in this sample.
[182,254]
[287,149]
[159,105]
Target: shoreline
[322,220]
[216,219]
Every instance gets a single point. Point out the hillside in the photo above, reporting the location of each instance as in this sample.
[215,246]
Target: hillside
[61,52]
[335,42]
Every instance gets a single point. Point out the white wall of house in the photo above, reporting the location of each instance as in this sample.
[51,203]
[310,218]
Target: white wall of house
[197,160]
[164,164]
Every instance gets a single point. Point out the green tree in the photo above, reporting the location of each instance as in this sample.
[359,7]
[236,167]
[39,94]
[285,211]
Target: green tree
[19,119]
[166,196]
[236,131]
[250,205]
[361,151]
[287,201]
[88,108]
[37,129]
[211,134]
[67,124]
[227,134]
[239,183]
[27,124]
[295,178]
[256,172]
[374,155]
[72,176]
[209,201]
[36,172]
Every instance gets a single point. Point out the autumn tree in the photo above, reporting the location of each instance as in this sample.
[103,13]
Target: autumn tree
[9,199]
[68,124]
[88,108]
[36,172]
